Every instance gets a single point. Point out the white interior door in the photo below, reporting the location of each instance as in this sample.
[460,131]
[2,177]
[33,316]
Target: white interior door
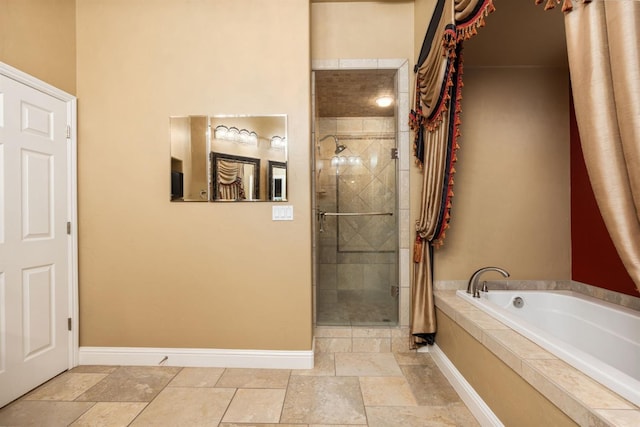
[34,245]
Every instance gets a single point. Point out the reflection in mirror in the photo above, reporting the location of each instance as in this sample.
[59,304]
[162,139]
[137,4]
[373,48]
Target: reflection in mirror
[277,181]
[262,139]
[189,180]
[234,178]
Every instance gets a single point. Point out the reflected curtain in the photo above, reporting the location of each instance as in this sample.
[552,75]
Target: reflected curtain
[603,43]
[230,180]
[435,120]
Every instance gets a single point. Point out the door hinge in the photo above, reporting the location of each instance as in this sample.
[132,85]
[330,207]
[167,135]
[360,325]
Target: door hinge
[68,227]
[69,323]
[394,154]
[68,131]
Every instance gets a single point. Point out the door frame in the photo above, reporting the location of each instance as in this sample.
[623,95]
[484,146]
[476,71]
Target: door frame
[72,205]
[403,181]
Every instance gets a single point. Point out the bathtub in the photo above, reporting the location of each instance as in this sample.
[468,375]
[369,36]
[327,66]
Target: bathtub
[598,338]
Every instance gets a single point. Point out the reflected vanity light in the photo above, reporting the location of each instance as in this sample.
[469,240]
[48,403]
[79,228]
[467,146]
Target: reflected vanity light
[278,142]
[342,160]
[234,134]
[384,101]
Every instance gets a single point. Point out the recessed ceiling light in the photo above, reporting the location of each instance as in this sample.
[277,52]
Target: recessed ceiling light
[384,101]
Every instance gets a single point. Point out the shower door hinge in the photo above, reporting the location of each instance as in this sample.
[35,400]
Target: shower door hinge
[68,131]
[69,322]
[394,154]
[395,291]
[68,227]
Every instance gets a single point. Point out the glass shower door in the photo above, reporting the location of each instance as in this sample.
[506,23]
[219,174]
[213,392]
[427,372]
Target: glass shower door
[357,241]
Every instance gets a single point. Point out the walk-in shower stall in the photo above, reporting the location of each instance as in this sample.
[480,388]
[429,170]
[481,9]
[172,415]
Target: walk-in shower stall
[355,180]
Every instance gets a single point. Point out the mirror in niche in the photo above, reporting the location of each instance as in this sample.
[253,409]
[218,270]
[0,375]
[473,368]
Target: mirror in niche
[234,178]
[250,140]
[260,139]
[189,160]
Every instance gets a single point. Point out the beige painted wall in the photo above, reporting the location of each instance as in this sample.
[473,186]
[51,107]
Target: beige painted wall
[39,38]
[208,275]
[512,204]
[366,31]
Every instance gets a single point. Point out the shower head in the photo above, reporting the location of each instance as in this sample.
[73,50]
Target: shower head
[339,147]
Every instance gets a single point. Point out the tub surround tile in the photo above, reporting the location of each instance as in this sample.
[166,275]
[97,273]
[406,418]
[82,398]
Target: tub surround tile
[616,417]
[583,399]
[512,348]
[476,321]
[579,385]
[255,406]
[557,395]
[110,414]
[198,406]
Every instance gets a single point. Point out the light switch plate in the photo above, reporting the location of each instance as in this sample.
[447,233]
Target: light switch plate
[282,213]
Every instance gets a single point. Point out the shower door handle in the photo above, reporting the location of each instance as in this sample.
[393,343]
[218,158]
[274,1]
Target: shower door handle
[356,213]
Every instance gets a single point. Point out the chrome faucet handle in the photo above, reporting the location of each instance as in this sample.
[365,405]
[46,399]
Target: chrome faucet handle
[484,286]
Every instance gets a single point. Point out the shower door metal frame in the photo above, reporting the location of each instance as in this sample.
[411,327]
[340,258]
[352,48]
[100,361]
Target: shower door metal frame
[402,171]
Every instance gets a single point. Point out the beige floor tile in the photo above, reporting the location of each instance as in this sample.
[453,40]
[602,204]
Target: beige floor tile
[266,425]
[40,413]
[197,377]
[254,378]
[413,358]
[323,400]
[93,369]
[110,414]
[323,365]
[429,386]
[386,391]
[415,416]
[255,406]
[367,364]
[462,415]
[183,406]
[66,386]
[131,384]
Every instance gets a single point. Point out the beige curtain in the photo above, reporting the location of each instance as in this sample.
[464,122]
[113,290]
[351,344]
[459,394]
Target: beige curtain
[603,42]
[435,121]
[230,180]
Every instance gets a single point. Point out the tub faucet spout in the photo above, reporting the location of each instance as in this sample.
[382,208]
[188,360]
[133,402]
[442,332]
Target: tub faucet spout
[472,287]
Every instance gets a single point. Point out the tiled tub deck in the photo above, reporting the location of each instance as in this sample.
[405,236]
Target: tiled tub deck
[584,400]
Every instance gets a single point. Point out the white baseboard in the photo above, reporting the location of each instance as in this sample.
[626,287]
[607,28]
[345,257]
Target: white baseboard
[196,357]
[474,402]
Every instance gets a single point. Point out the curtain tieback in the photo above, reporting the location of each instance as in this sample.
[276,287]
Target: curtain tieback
[417,249]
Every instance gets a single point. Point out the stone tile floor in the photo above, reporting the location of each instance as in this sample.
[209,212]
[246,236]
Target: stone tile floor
[344,389]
